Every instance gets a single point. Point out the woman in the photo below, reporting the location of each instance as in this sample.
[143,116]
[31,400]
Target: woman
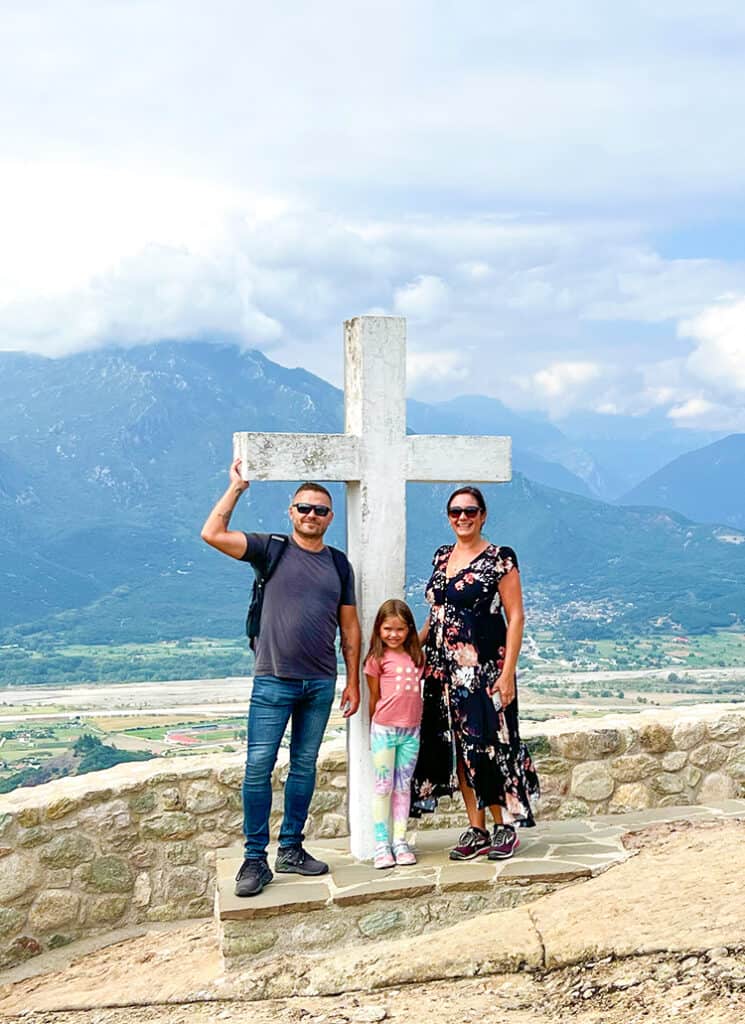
[470,738]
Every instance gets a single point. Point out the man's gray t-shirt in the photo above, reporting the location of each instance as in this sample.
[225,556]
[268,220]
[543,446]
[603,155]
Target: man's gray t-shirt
[300,613]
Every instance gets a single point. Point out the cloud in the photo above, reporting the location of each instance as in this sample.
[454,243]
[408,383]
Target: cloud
[497,176]
[561,386]
[646,287]
[444,366]
[704,414]
[706,387]
[559,379]
[424,299]
[161,294]
[475,106]
[719,336]
[693,410]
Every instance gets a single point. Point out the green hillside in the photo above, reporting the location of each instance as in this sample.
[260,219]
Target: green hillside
[110,461]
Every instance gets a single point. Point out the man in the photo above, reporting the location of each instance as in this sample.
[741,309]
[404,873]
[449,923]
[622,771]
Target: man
[295,670]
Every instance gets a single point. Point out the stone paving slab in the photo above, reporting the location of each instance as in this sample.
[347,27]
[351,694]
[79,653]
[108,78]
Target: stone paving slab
[585,845]
[407,887]
[545,870]
[304,894]
[572,826]
[550,853]
[675,896]
[593,849]
[474,876]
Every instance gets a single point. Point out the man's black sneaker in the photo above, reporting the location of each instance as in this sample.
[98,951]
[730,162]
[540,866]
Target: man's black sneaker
[472,843]
[296,860]
[252,876]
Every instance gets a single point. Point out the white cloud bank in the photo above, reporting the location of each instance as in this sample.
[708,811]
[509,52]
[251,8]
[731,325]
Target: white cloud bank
[536,102]
[527,308]
[443,367]
[562,386]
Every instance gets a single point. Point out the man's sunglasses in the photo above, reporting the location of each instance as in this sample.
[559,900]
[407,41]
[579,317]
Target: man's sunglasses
[305,509]
[470,511]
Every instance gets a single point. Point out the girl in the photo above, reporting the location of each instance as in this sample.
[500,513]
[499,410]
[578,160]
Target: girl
[393,669]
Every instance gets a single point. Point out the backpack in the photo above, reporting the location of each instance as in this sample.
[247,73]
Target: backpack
[276,545]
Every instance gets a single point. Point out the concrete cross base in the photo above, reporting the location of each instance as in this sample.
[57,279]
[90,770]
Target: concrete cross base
[355,904]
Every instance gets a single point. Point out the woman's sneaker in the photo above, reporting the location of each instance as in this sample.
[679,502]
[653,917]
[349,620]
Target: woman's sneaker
[383,856]
[403,853]
[473,842]
[504,842]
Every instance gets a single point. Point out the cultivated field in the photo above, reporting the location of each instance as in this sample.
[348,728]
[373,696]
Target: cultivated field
[40,724]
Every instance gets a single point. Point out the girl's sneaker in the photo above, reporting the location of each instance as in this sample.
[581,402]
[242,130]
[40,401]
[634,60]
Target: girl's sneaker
[473,842]
[383,856]
[403,853]
[504,842]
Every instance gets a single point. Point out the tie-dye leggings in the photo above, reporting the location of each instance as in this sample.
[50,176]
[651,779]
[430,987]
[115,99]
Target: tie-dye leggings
[394,753]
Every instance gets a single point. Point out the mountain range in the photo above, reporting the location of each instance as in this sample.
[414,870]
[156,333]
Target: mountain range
[110,461]
[707,484]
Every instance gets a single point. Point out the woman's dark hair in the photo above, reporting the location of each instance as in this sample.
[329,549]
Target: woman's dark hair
[393,608]
[473,491]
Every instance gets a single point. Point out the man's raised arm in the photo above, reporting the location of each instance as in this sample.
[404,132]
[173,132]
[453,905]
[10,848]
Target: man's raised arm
[215,530]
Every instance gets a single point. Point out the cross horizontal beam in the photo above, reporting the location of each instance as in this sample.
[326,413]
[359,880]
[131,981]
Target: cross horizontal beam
[445,458]
[432,458]
[292,456]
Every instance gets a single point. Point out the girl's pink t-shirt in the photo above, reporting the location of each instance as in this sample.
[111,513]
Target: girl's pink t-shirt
[400,689]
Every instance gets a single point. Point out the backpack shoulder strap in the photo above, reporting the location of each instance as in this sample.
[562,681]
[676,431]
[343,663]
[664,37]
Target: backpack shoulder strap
[276,545]
[343,568]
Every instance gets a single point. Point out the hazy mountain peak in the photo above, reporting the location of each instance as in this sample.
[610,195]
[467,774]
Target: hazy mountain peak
[707,485]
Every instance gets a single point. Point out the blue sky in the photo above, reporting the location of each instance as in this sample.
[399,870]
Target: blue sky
[553,195]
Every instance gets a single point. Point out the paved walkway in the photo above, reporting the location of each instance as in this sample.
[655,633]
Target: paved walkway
[552,852]
[681,892]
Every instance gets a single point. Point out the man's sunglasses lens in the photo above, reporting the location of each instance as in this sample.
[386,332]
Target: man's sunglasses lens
[470,511]
[305,510]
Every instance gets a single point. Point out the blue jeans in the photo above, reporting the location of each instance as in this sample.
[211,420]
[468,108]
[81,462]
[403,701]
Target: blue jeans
[273,703]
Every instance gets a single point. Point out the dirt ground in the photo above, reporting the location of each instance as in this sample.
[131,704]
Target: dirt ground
[710,988]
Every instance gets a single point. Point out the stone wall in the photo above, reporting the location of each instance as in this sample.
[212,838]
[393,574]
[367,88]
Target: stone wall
[132,844]
[625,763]
[657,759]
[137,843]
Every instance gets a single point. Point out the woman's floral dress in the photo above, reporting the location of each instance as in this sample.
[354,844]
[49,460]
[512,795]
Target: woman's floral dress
[465,652]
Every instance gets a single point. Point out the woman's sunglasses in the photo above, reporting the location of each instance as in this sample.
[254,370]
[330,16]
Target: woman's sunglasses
[305,509]
[470,511]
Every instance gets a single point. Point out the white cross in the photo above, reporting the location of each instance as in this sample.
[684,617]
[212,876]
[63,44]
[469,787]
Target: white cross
[375,458]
